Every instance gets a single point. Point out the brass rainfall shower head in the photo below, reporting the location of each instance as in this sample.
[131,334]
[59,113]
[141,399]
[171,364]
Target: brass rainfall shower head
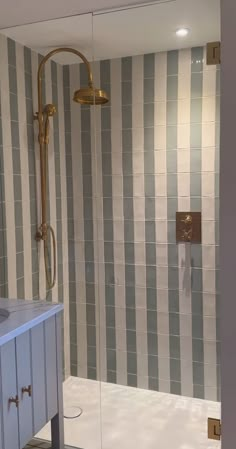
[91,96]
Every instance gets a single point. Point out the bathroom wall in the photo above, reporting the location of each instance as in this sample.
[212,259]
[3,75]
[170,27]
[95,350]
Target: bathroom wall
[139,309]
[21,257]
[144,306]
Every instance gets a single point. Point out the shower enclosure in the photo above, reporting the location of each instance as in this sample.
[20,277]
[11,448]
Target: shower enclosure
[141,310]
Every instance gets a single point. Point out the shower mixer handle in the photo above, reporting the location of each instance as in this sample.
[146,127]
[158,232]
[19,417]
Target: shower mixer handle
[188,220]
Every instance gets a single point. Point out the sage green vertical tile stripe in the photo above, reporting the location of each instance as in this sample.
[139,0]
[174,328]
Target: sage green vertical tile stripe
[172,207]
[127,163]
[56,139]
[150,215]
[105,81]
[217,248]
[32,172]
[70,211]
[88,236]
[16,167]
[3,238]
[195,202]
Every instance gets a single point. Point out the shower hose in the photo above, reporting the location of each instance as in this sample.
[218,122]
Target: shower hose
[51,280]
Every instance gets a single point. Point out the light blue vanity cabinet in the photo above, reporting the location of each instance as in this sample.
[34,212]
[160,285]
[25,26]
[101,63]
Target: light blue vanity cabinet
[30,372]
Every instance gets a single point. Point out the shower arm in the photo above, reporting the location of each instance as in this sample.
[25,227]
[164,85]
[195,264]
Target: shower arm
[42,234]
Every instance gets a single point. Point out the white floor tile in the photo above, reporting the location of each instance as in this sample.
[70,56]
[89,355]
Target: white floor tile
[115,416]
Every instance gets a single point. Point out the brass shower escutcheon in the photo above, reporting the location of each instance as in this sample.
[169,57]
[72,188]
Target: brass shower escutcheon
[84,96]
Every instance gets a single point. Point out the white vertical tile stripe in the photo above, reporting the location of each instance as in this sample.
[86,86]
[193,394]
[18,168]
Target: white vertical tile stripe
[184,102]
[100,267]
[184,250]
[51,171]
[77,175]
[8,169]
[208,252]
[160,157]
[64,220]
[139,215]
[42,278]
[119,254]
[98,235]
[160,111]
[24,171]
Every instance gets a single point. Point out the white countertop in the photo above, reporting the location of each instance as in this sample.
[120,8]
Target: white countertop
[23,315]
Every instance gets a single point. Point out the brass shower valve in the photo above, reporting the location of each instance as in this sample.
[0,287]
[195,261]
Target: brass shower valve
[188,227]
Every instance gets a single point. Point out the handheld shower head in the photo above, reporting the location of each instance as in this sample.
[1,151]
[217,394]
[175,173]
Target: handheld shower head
[50,110]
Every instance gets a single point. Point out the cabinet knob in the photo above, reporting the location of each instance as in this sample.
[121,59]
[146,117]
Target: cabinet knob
[27,390]
[14,401]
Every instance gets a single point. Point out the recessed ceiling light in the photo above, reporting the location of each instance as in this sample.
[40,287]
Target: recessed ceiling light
[182,32]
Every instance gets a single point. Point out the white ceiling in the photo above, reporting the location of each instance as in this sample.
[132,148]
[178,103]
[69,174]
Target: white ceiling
[19,12]
[126,32]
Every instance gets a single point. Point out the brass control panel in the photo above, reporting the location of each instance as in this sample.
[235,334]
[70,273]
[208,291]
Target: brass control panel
[188,227]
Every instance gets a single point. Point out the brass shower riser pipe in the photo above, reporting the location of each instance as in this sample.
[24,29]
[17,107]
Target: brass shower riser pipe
[40,118]
[88,95]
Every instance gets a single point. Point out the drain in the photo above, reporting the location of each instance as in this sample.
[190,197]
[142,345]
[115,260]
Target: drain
[72,412]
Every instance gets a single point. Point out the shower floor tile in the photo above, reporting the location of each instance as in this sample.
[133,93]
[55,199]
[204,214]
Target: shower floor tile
[115,416]
[40,444]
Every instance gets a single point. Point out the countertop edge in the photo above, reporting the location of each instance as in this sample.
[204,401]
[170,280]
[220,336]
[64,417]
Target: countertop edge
[20,329]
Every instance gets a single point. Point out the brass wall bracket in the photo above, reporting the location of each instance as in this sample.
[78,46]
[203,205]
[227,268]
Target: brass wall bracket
[214,429]
[188,227]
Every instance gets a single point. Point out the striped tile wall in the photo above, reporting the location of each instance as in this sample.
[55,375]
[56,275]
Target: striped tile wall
[21,258]
[153,150]
[143,311]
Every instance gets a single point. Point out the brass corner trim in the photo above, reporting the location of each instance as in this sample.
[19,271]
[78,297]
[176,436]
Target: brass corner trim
[214,429]
[213,53]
